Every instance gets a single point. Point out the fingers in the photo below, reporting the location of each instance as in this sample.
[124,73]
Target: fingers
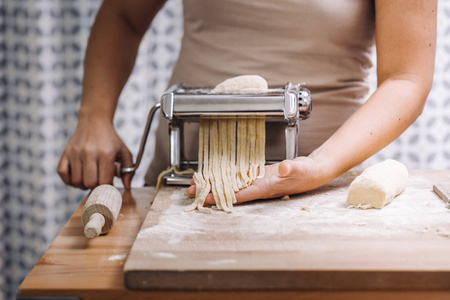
[70,169]
[285,168]
[89,171]
[83,169]
[64,169]
[191,190]
[126,160]
[250,193]
[86,169]
[291,168]
[76,171]
[210,199]
[90,154]
[106,169]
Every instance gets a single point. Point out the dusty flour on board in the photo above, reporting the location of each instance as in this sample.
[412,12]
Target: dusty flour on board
[118,256]
[319,214]
[223,262]
[164,254]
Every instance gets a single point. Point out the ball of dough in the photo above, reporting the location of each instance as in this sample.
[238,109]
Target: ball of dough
[246,84]
[378,184]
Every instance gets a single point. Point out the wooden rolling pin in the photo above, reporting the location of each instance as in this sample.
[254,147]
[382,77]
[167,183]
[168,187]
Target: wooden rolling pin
[101,210]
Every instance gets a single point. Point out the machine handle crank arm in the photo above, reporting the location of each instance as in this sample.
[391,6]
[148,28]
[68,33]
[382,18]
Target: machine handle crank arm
[119,171]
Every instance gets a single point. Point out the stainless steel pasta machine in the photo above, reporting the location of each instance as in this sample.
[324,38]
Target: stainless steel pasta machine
[179,103]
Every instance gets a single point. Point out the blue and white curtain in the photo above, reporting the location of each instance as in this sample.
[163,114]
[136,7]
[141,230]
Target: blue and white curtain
[42,44]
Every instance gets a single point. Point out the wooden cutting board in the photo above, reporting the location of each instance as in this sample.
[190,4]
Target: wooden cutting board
[311,241]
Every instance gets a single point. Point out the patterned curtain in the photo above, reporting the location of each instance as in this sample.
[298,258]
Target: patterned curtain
[42,45]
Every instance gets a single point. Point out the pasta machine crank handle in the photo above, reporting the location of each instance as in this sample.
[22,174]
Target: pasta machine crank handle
[119,171]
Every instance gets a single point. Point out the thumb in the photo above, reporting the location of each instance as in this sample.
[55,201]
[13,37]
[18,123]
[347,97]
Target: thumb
[289,168]
[126,160]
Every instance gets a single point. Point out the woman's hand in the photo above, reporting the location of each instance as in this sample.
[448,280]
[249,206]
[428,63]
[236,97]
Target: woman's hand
[286,178]
[89,157]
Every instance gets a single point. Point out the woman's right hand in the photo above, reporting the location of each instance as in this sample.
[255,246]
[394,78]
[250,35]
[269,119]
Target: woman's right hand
[89,157]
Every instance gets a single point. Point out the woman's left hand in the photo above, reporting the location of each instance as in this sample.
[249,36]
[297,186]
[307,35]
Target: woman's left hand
[286,178]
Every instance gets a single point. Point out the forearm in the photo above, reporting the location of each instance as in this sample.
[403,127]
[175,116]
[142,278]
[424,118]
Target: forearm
[393,107]
[89,157]
[110,57]
[405,39]
[111,54]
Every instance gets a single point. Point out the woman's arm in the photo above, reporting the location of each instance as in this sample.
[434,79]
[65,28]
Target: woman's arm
[89,157]
[406,42]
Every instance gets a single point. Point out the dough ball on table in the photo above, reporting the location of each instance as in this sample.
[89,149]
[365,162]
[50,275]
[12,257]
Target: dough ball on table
[378,184]
[245,84]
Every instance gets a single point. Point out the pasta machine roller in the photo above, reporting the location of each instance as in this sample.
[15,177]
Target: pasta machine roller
[289,105]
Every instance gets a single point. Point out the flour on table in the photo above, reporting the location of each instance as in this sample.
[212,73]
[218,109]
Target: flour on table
[118,256]
[360,206]
[222,262]
[360,224]
[416,213]
[164,254]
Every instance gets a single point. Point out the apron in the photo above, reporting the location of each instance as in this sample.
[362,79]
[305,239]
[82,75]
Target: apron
[327,44]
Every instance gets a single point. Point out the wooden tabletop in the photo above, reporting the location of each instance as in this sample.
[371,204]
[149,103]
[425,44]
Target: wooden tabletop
[74,266]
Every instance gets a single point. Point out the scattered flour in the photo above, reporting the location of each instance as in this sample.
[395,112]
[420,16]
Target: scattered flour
[416,211]
[361,206]
[222,262]
[164,254]
[361,224]
[118,256]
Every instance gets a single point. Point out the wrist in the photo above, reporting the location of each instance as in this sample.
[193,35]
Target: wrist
[326,167]
[90,114]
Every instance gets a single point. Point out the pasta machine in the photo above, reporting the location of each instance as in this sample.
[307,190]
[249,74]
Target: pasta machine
[179,103]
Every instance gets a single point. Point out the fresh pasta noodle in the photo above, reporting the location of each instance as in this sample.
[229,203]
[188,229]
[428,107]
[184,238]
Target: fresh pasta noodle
[243,147]
[251,128]
[228,159]
[261,147]
[201,177]
[231,151]
[215,167]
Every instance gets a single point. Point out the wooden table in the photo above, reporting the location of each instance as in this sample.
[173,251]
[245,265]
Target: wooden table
[93,269]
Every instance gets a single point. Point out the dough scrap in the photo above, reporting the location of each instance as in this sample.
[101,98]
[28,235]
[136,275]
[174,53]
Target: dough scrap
[378,184]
